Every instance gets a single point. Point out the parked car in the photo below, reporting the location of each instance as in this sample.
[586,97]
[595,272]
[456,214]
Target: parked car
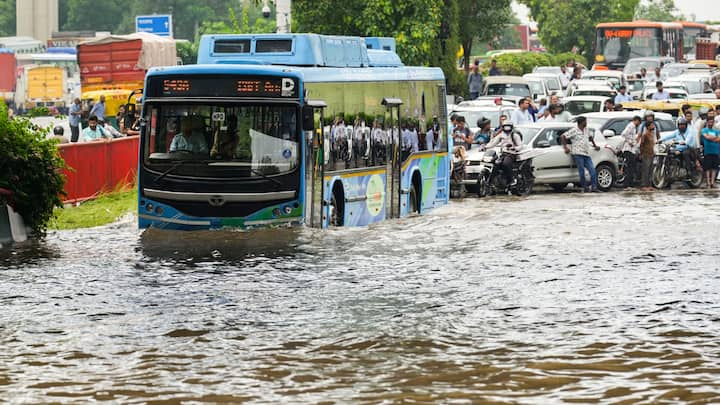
[577,105]
[633,66]
[693,83]
[509,87]
[552,81]
[557,168]
[615,77]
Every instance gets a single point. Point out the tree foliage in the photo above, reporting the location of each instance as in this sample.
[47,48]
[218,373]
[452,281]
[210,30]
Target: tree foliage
[658,10]
[426,31]
[7,18]
[31,169]
[566,24]
[482,21]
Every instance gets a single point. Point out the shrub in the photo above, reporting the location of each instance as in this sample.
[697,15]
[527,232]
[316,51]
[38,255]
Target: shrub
[31,169]
[563,58]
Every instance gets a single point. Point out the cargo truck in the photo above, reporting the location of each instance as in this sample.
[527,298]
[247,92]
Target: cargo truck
[40,86]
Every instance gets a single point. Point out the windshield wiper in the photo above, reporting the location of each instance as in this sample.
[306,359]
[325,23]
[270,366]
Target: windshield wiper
[173,167]
[266,177]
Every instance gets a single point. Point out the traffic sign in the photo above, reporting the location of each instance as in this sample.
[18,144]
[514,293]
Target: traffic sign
[155,24]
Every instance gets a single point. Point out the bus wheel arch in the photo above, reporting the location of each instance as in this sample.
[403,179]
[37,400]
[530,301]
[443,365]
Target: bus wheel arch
[337,205]
[415,194]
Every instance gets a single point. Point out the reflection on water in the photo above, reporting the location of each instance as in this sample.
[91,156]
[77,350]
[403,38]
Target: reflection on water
[555,298]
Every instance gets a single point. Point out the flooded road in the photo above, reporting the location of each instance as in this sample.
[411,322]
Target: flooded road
[609,298]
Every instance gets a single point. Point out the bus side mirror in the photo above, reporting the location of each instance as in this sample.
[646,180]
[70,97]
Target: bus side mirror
[308,118]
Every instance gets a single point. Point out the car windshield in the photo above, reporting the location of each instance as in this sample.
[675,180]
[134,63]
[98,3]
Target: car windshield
[197,139]
[472,116]
[536,87]
[673,70]
[636,85]
[693,86]
[553,84]
[508,89]
[577,107]
[596,122]
[528,133]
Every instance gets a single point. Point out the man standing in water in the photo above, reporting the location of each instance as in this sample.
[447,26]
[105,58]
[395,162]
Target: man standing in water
[581,139]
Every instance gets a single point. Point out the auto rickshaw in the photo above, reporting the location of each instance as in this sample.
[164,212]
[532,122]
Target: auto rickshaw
[672,107]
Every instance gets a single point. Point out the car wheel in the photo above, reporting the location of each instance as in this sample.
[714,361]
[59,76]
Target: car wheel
[605,176]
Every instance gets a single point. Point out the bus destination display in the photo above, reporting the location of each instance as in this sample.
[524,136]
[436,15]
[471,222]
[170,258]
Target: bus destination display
[281,87]
[630,33]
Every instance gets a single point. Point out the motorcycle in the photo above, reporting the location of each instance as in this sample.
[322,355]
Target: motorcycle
[669,167]
[622,179]
[491,180]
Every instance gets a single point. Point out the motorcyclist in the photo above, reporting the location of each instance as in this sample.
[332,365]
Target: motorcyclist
[508,140]
[684,140]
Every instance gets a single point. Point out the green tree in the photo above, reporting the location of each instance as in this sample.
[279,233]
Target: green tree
[482,20]
[426,31]
[30,169]
[658,10]
[93,15]
[7,18]
[565,24]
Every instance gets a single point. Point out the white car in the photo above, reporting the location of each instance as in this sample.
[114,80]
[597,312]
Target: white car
[577,105]
[472,113]
[615,77]
[557,168]
[50,122]
[676,93]
[585,87]
[552,81]
[611,123]
[692,83]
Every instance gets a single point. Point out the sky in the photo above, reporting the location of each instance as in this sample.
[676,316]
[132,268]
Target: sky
[704,10]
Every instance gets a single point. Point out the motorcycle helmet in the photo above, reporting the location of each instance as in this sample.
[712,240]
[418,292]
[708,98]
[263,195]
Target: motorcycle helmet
[507,127]
[649,113]
[482,122]
[59,131]
[682,121]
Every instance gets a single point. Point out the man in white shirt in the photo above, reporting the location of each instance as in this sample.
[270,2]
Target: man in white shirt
[522,116]
[660,93]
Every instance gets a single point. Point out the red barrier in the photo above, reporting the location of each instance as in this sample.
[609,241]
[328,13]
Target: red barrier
[94,167]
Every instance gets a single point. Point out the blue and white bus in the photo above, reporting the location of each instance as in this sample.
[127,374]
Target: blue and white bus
[286,129]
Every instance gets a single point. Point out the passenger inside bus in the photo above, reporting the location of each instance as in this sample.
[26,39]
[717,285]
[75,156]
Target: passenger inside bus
[191,138]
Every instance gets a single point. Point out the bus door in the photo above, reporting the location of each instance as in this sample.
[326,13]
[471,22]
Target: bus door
[394,161]
[314,161]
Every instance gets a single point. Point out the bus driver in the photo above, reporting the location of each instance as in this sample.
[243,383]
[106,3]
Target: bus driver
[189,140]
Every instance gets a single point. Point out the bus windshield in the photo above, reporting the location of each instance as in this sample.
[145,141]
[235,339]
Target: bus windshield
[617,45]
[221,140]
[690,35]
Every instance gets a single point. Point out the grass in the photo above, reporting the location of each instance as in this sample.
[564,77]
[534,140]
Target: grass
[105,209]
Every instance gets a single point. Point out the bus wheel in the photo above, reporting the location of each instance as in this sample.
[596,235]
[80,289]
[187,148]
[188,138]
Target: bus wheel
[337,207]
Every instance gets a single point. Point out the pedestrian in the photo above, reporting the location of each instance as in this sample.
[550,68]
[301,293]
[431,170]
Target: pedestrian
[609,105]
[646,141]
[462,136]
[120,118]
[576,74]
[564,77]
[622,96]
[629,149]
[475,81]
[711,146]
[75,114]
[522,116]
[643,74]
[717,93]
[98,110]
[484,134]
[494,70]
[660,92]
[541,110]
[581,138]
[94,132]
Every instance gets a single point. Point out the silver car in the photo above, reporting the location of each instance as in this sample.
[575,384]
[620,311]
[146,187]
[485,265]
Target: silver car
[557,168]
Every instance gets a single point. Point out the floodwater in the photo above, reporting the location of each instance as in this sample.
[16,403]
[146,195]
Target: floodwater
[594,298]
